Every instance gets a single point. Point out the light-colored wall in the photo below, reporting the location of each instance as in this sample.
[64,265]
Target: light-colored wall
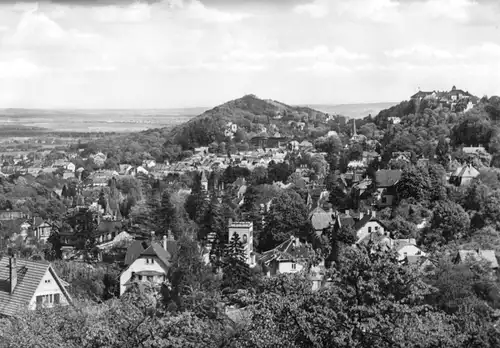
[139,265]
[46,289]
[365,230]
[286,267]
[241,231]
[276,267]
[410,250]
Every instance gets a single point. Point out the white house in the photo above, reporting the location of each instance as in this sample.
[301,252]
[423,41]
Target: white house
[151,265]
[366,225]
[29,284]
[290,256]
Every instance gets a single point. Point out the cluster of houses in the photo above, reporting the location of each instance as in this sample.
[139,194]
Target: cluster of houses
[448,99]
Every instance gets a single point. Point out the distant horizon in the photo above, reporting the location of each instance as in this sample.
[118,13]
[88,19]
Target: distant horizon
[312,105]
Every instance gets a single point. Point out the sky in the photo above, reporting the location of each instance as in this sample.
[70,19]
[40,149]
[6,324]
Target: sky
[191,53]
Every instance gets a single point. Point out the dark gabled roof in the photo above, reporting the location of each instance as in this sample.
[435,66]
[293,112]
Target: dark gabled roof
[287,251]
[29,277]
[387,177]
[364,220]
[133,252]
[157,250]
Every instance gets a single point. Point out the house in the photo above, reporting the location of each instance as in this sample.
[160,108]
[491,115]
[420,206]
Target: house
[463,175]
[320,219]
[67,174]
[29,284]
[40,228]
[407,249]
[366,225]
[477,255]
[394,120]
[151,265]
[290,256]
[385,181]
[99,158]
[7,215]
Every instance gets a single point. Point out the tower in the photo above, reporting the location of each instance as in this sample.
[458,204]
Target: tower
[245,231]
[204,181]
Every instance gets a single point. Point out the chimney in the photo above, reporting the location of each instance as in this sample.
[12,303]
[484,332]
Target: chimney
[230,221]
[152,236]
[165,242]
[361,215]
[12,273]
[374,214]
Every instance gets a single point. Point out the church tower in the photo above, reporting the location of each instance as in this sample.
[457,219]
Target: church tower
[245,231]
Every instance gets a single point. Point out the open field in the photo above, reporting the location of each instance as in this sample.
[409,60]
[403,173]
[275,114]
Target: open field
[33,121]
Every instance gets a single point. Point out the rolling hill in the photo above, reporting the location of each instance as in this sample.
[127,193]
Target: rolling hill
[252,116]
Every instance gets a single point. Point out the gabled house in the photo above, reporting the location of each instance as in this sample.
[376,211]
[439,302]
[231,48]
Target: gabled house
[290,256]
[366,225]
[464,175]
[385,181]
[151,265]
[41,229]
[29,284]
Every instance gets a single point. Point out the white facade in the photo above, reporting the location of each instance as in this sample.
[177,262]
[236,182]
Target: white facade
[48,293]
[369,228]
[144,264]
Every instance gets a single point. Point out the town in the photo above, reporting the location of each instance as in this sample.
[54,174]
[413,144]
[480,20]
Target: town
[289,211]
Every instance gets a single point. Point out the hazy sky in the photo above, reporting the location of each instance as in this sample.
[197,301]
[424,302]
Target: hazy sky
[181,53]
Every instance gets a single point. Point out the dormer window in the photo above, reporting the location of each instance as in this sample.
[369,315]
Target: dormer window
[150,261]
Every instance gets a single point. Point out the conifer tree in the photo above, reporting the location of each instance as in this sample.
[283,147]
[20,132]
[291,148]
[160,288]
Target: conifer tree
[165,214]
[236,270]
[102,200]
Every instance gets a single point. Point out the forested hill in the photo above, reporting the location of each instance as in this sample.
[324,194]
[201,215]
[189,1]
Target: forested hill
[421,125]
[251,115]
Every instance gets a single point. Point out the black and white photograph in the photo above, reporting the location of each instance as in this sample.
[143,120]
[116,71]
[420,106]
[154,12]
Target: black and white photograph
[250,174]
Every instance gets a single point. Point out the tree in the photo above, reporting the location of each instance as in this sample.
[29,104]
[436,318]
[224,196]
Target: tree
[449,222]
[236,271]
[369,296]
[414,183]
[165,214]
[102,200]
[287,217]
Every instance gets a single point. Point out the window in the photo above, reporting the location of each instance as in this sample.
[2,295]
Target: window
[150,278]
[140,277]
[369,229]
[47,281]
[376,228]
[150,261]
[294,266]
[57,298]
[384,199]
[245,239]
